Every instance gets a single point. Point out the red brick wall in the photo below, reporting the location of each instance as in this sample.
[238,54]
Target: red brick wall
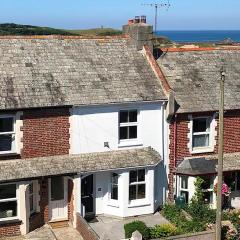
[70,200]
[11,229]
[45,132]
[231,139]
[85,230]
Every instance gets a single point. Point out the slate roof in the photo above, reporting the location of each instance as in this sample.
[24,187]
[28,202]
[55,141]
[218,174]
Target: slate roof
[63,71]
[71,164]
[195,78]
[208,164]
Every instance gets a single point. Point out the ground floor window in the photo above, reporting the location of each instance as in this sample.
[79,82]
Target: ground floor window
[208,189]
[8,201]
[232,179]
[114,186]
[184,192]
[137,184]
[33,196]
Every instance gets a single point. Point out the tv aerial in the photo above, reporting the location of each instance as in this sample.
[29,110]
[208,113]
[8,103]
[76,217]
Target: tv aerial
[157,6]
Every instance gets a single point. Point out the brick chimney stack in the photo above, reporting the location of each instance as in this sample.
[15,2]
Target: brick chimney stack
[140,32]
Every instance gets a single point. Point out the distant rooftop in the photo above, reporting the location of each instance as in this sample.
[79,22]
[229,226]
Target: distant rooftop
[194,75]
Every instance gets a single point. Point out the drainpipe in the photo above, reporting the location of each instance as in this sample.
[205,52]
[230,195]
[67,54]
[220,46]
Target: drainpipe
[175,141]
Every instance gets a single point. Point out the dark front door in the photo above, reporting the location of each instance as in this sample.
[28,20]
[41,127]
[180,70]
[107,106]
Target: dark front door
[87,196]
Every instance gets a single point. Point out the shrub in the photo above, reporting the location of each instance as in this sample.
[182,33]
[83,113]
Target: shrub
[173,214]
[136,225]
[164,230]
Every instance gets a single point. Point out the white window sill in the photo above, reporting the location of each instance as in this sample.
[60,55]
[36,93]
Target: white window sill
[129,143]
[8,153]
[113,203]
[2,220]
[202,150]
[138,203]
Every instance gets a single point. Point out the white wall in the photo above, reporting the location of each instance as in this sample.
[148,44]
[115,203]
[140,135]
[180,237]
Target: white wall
[123,207]
[92,126]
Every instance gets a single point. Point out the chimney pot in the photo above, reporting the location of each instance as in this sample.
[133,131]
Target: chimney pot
[143,19]
[137,19]
[130,21]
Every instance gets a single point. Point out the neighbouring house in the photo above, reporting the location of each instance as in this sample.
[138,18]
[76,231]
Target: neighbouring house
[194,77]
[82,129]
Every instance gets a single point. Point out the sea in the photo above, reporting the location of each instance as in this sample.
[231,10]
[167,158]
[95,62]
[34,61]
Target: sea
[201,36]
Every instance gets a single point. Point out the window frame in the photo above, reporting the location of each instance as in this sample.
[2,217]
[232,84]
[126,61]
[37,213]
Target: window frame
[137,183]
[113,184]
[12,133]
[128,124]
[209,190]
[33,194]
[210,133]
[16,199]
[184,190]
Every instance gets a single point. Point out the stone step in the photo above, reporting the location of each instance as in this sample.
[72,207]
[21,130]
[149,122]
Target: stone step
[60,224]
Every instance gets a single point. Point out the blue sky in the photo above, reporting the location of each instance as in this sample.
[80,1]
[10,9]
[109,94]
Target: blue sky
[80,14]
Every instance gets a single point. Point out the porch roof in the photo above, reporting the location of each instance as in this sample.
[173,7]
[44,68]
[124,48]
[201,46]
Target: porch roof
[11,170]
[208,164]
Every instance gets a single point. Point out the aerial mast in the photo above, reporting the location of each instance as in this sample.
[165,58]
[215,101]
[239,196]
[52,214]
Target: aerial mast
[156,6]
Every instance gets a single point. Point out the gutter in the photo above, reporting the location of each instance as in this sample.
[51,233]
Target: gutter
[170,108]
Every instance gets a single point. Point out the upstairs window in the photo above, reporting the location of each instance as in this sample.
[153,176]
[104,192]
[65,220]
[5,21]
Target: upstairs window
[137,184]
[201,133]
[114,186]
[7,134]
[128,121]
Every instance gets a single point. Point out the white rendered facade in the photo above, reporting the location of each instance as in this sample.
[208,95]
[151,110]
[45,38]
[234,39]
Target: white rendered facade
[97,129]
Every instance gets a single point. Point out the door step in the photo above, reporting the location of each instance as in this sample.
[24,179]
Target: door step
[59,224]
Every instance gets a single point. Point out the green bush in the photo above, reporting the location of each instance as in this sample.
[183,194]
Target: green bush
[164,230]
[136,225]
[173,214]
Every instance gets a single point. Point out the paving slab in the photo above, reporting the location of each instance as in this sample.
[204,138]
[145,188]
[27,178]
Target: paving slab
[67,233]
[110,228]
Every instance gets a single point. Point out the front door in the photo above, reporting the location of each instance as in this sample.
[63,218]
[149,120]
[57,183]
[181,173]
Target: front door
[87,196]
[58,207]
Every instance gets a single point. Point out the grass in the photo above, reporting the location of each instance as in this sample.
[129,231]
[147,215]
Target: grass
[17,29]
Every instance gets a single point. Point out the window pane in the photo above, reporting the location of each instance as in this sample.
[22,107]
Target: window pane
[8,209]
[115,178]
[141,175]
[208,197]
[6,124]
[201,125]
[185,194]
[133,176]
[123,133]
[114,194]
[5,142]
[30,188]
[141,191]
[133,116]
[201,140]
[132,192]
[132,132]
[123,116]
[238,180]
[7,191]
[31,203]
[184,182]
[57,188]
[208,182]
